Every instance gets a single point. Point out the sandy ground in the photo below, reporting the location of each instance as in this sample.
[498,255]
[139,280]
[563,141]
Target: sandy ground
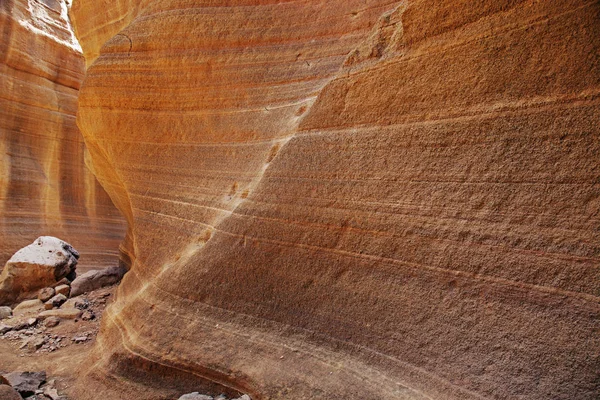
[61,364]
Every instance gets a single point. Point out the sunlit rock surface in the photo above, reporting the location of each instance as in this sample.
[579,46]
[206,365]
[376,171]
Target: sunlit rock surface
[348,199]
[41,264]
[45,188]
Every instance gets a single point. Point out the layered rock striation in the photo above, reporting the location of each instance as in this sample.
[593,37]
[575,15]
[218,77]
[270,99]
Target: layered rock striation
[349,199]
[45,187]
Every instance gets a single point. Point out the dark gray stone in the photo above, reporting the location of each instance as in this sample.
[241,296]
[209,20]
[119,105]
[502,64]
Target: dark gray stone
[5,328]
[26,383]
[96,279]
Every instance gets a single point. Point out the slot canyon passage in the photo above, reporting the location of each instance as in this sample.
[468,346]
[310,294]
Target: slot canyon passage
[343,199]
[45,188]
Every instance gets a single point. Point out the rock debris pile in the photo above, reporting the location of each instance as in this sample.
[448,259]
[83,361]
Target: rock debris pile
[28,385]
[35,324]
[32,327]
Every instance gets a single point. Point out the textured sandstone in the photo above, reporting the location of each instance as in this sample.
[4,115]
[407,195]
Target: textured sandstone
[45,188]
[28,307]
[349,199]
[64,313]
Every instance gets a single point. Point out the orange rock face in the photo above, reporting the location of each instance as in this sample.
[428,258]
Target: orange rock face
[349,199]
[45,188]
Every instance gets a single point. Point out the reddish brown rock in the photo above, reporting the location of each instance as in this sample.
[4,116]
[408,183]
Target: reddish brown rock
[46,294]
[63,313]
[51,322]
[349,199]
[8,393]
[63,289]
[28,307]
[45,187]
[55,301]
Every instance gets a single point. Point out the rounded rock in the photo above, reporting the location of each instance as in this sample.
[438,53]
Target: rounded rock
[8,393]
[46,294]
[5,312]
[51,322]
[63,289]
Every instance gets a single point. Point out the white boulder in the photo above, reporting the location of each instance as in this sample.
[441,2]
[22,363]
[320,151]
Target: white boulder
[41,264]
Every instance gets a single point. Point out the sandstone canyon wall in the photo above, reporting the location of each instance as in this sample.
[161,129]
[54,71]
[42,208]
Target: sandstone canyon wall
[45,187]
[349,199]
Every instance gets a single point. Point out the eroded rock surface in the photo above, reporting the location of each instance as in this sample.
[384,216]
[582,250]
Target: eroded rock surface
[349,199]
[45,187]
